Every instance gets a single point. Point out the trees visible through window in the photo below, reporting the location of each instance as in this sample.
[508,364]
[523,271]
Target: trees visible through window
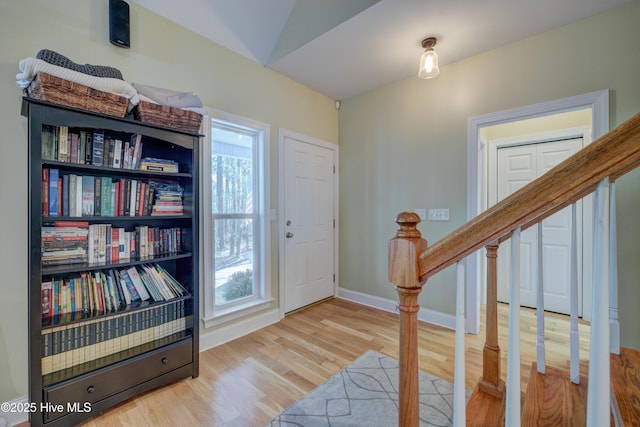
[232,166]
[236,232]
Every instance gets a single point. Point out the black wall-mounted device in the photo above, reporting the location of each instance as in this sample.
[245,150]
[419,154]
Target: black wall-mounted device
[119,23]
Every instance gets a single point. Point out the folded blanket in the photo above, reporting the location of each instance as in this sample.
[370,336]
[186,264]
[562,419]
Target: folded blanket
[29,67]
[169,97]
[93,70]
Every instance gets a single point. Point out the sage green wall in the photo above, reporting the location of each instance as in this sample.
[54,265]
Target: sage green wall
[404,146]
[162,54]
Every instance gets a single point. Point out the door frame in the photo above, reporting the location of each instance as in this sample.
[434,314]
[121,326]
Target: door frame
[585,238]
[282,134]
[598,102]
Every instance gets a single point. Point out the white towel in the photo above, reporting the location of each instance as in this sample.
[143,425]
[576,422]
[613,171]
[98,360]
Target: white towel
[169,97]
[29,67]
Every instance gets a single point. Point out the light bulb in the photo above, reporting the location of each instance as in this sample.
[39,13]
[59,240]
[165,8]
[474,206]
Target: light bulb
[428,65]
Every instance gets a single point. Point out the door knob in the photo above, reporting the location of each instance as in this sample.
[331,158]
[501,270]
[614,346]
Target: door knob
[289,235]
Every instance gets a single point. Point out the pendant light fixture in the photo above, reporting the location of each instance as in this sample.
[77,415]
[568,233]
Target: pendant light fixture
[429,60]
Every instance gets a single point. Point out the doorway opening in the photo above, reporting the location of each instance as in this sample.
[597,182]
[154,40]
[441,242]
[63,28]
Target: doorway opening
[596,105]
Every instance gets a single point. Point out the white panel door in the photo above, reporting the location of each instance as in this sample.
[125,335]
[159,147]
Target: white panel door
[517,166]
[308,223]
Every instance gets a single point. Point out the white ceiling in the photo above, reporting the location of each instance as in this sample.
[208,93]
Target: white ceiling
[346,47]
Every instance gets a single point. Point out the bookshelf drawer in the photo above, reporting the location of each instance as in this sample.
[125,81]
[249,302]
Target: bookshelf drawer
[103,383]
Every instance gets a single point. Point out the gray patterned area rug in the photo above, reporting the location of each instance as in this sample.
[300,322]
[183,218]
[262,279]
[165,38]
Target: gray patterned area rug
[365,393]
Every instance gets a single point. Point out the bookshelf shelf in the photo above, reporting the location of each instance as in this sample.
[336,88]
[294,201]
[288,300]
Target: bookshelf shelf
[78,318]
[113,259]
[107,171]
[86,267]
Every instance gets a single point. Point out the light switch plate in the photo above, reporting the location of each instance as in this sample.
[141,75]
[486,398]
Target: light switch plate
[422,213]
[439,214]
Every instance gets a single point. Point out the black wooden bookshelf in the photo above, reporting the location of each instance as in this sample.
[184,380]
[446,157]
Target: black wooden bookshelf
[141,345]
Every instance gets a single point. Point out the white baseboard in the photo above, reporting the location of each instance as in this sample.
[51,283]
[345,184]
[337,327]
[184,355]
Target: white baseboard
[15,418]
[235,330]
[426,315]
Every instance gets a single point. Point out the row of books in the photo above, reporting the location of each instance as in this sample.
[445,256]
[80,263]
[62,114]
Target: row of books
[158,165]
[65,244]
[95,293]
[87,195]
[91,147]
[66,346]
[74,242]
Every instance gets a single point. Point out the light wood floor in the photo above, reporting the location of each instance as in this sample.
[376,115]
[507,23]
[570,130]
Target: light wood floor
[248,381]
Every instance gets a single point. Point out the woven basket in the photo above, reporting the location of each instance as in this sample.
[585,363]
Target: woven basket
[171,117]
[60,91]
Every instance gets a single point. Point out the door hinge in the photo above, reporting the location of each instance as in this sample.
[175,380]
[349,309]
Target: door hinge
[334,169]
[334,223]
[334,278]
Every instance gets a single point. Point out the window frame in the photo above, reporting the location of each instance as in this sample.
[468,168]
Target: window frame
[212,314]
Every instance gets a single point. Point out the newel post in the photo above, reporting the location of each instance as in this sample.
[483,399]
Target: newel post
[404,272]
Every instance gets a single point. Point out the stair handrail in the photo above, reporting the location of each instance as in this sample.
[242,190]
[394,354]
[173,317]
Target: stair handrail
[612,155]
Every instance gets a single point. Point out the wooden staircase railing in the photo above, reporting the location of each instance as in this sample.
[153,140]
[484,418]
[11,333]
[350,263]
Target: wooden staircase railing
[412,261]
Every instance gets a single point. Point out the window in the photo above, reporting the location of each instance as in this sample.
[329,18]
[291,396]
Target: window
[235,224]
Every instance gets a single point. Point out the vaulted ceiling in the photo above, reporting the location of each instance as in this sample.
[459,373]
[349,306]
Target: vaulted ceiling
[346,47]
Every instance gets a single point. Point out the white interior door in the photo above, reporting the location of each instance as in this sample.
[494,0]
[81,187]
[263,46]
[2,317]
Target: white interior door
[517,166]
[309,221]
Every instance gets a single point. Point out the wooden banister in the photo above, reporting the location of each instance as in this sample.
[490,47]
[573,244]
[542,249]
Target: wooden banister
[612,155]
[412,262]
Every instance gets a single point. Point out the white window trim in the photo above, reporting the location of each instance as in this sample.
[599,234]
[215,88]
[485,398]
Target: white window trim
[217,315]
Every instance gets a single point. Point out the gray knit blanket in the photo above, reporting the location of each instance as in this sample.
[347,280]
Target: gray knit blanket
[93,70]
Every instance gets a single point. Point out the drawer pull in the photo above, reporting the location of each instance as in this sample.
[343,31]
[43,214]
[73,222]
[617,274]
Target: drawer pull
[91,389]
[165,360]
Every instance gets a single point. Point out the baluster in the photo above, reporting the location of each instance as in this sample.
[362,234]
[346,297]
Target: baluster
[598,397]
[614,323]
[512,410]
[540,349]
[574,337]
[490,382]
[459,401]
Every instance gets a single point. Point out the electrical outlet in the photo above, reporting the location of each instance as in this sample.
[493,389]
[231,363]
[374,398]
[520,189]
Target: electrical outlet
[439,214]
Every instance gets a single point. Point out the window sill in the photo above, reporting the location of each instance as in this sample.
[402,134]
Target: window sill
[227,314]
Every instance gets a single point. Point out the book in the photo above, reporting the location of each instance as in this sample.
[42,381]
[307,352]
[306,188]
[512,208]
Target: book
[108,152]
[98,148]
[75,149]
[82,147]
[88,184]
[78,195]
[117,153]
[47,296]
[105,196]
[65,195]
[53,192]
[136,141]
[126,279]
[137,282]
[88,151]
[45,192]
[73,188]
[97,196]
[158,165]
[47,143]
[63,144]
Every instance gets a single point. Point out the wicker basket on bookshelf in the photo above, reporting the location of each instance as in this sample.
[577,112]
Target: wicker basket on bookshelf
[171,117]
[60,91]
